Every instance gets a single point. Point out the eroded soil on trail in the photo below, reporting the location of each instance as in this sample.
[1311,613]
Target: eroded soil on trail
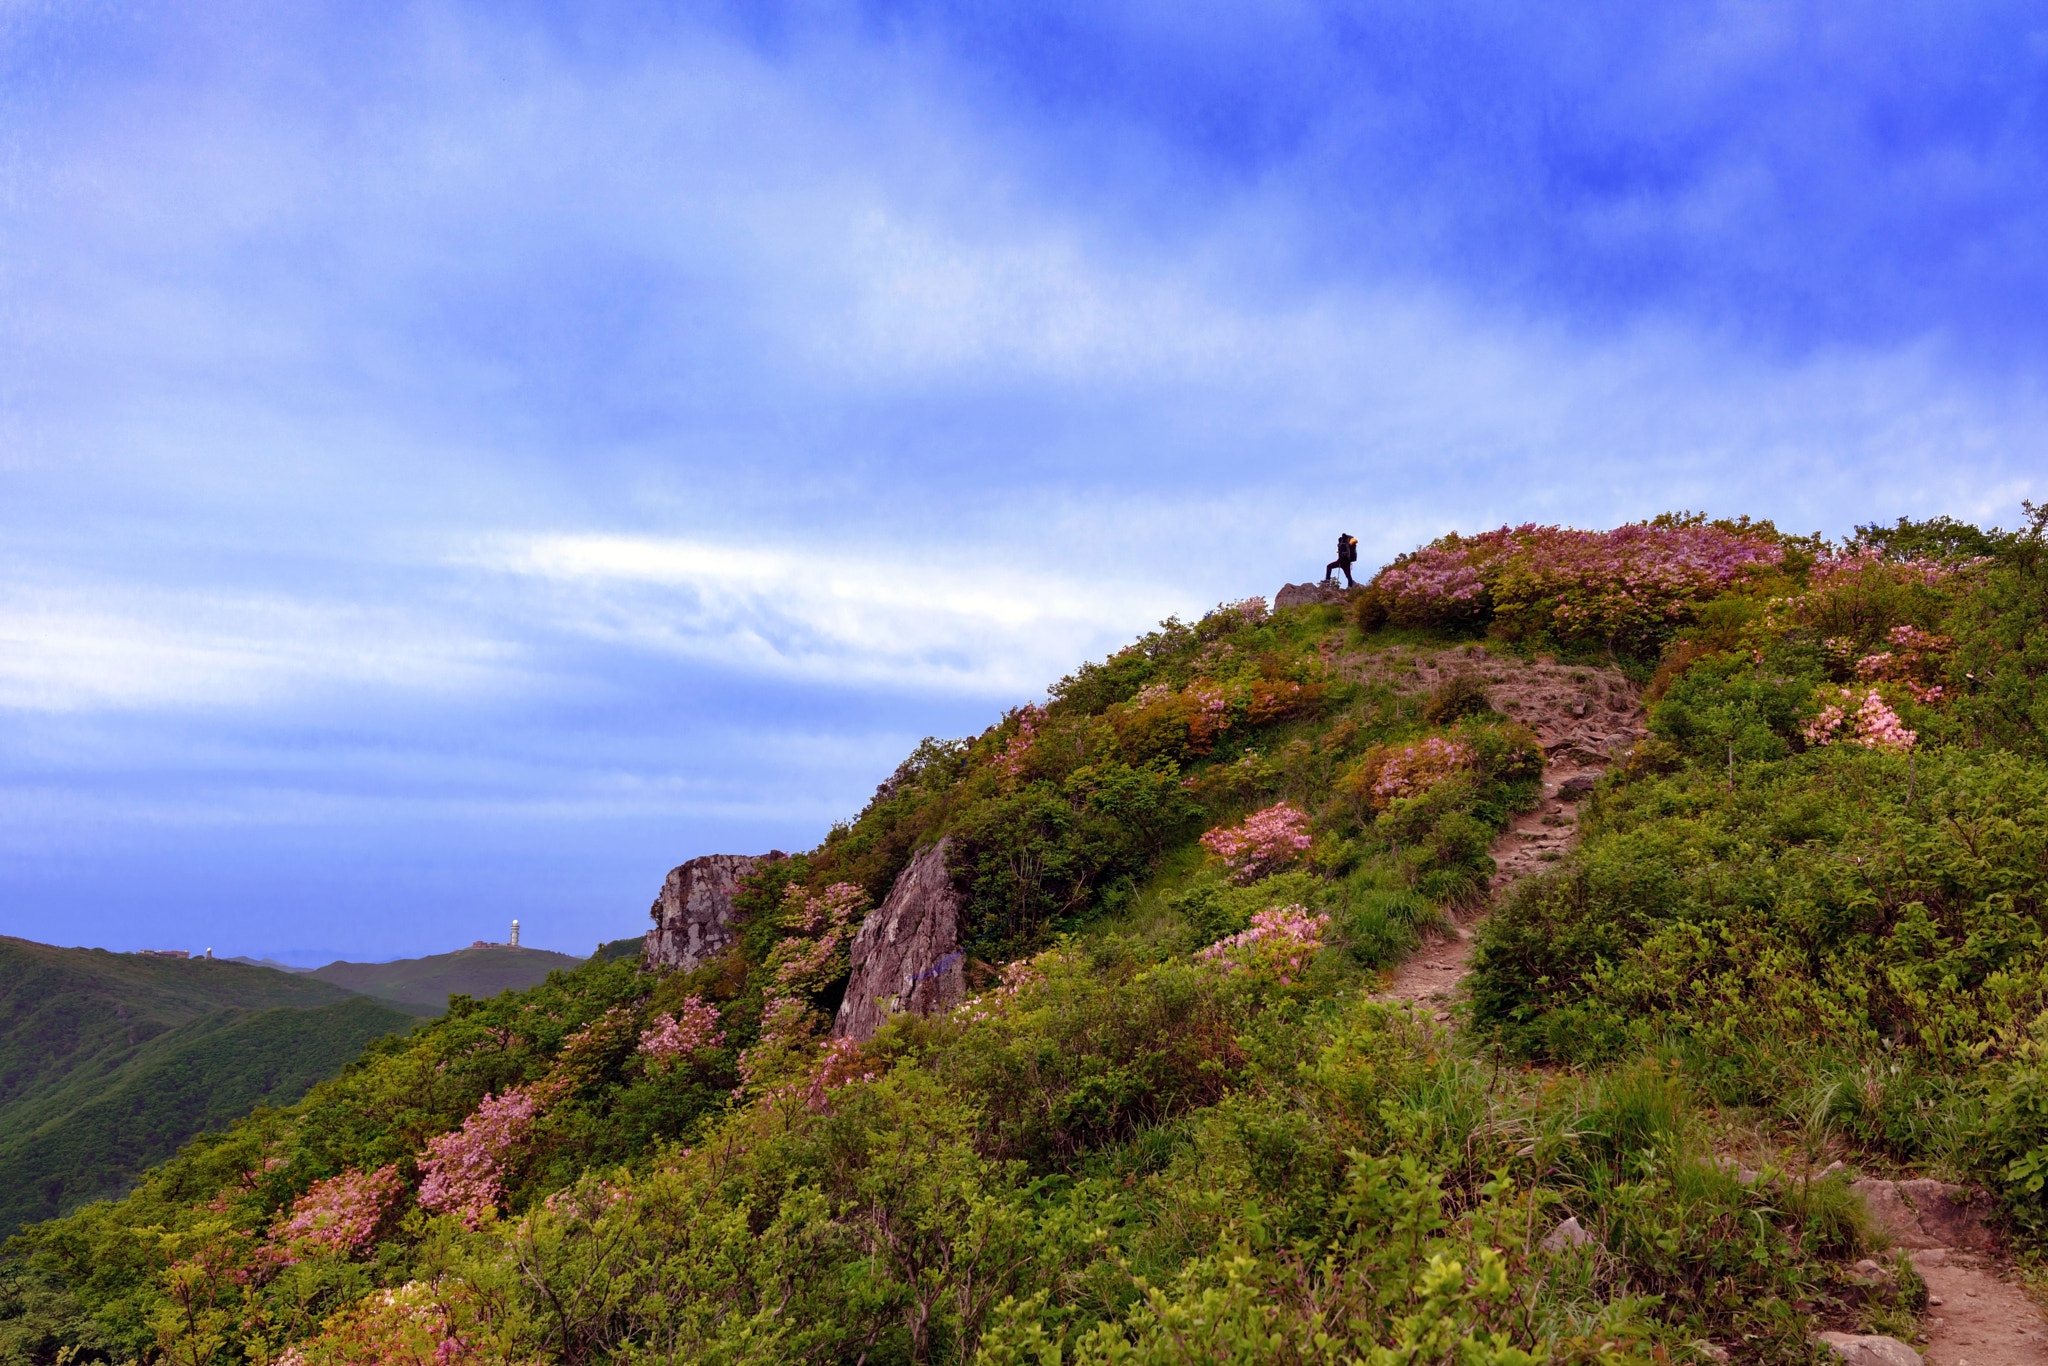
[1974,1316]
[1584,718]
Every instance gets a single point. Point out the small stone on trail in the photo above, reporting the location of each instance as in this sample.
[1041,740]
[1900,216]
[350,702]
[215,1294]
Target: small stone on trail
[1869,1349]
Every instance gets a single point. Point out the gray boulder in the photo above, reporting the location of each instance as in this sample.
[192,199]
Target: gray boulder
[1869,1349]
[1567,1235]
[693,916]
[907,955]
[1306,595]
[1927,1214]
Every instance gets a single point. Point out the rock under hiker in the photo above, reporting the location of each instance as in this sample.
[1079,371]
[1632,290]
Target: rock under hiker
[1347,555]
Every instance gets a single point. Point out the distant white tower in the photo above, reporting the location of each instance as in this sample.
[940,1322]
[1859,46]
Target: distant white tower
[515,934]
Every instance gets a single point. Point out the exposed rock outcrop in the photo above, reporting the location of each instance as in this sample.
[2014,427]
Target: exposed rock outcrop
[1924,1213]
[693,916]
[1306,595]
[907,955]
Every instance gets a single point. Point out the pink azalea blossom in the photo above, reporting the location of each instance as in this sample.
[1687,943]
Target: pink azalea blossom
[802,964]
[1871,724]
[1011,761]
[1280,943]
[812,957]
[407,1326]
[842,1064]
[588,1200]
[1264,842]
[1420,766]
[1850,567]
[337,1215]
[464,1170]
[692,1028]
[1588,585]
[1252,610]
[1209,698]
[788,1024]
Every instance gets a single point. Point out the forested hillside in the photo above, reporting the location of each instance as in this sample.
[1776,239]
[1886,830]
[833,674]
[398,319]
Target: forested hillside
[110,1061]
[1794,935]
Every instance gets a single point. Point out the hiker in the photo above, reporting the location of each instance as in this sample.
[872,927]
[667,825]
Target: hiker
[1347,554]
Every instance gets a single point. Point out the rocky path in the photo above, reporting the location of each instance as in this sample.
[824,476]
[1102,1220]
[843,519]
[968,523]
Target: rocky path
[1584,719]
[1976,1315]
[1532,842]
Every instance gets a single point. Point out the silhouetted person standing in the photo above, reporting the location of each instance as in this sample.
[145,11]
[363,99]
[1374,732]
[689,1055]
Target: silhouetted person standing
[1347,555]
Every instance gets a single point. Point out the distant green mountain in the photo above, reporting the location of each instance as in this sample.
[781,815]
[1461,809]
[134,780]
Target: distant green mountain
[423,985]
[110,1061]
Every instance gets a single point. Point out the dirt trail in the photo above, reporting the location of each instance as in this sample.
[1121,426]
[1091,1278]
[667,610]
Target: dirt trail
[1585,718]
[1974,1317]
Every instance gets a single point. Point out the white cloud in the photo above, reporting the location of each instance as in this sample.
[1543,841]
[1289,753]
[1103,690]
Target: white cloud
[924,620]
[127,647]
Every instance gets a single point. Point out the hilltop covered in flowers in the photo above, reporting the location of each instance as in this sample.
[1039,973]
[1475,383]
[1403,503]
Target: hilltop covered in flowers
[1627,589]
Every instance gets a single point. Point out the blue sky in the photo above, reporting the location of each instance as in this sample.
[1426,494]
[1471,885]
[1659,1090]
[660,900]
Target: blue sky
[457,461]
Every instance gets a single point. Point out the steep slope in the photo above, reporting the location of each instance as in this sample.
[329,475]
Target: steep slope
[1795,935]
[197,1077]
[81,1030]
[1585,718]
[424,984]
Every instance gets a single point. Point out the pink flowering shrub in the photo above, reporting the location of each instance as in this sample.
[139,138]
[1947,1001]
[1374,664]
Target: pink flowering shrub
[1856,566]
[815,956]
[1872,723]
[1017,978]
[464,1170]
[801,965]
[1859,599]
[340,1214]
[790,1059]
[1914,660]
[1252,610]
[587,1054]
[588,1200]
[691,1028]
[1262,843]
[1010,763]
[789,1031]
[1164,722]
[1418,767]
[1279,945]
[842,1064]
[409,1326]
[1627,588]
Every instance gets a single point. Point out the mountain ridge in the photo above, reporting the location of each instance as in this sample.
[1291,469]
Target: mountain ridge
[1777,939]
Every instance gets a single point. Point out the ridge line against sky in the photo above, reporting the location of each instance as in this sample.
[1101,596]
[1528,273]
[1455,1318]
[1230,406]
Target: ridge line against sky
[457,461]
